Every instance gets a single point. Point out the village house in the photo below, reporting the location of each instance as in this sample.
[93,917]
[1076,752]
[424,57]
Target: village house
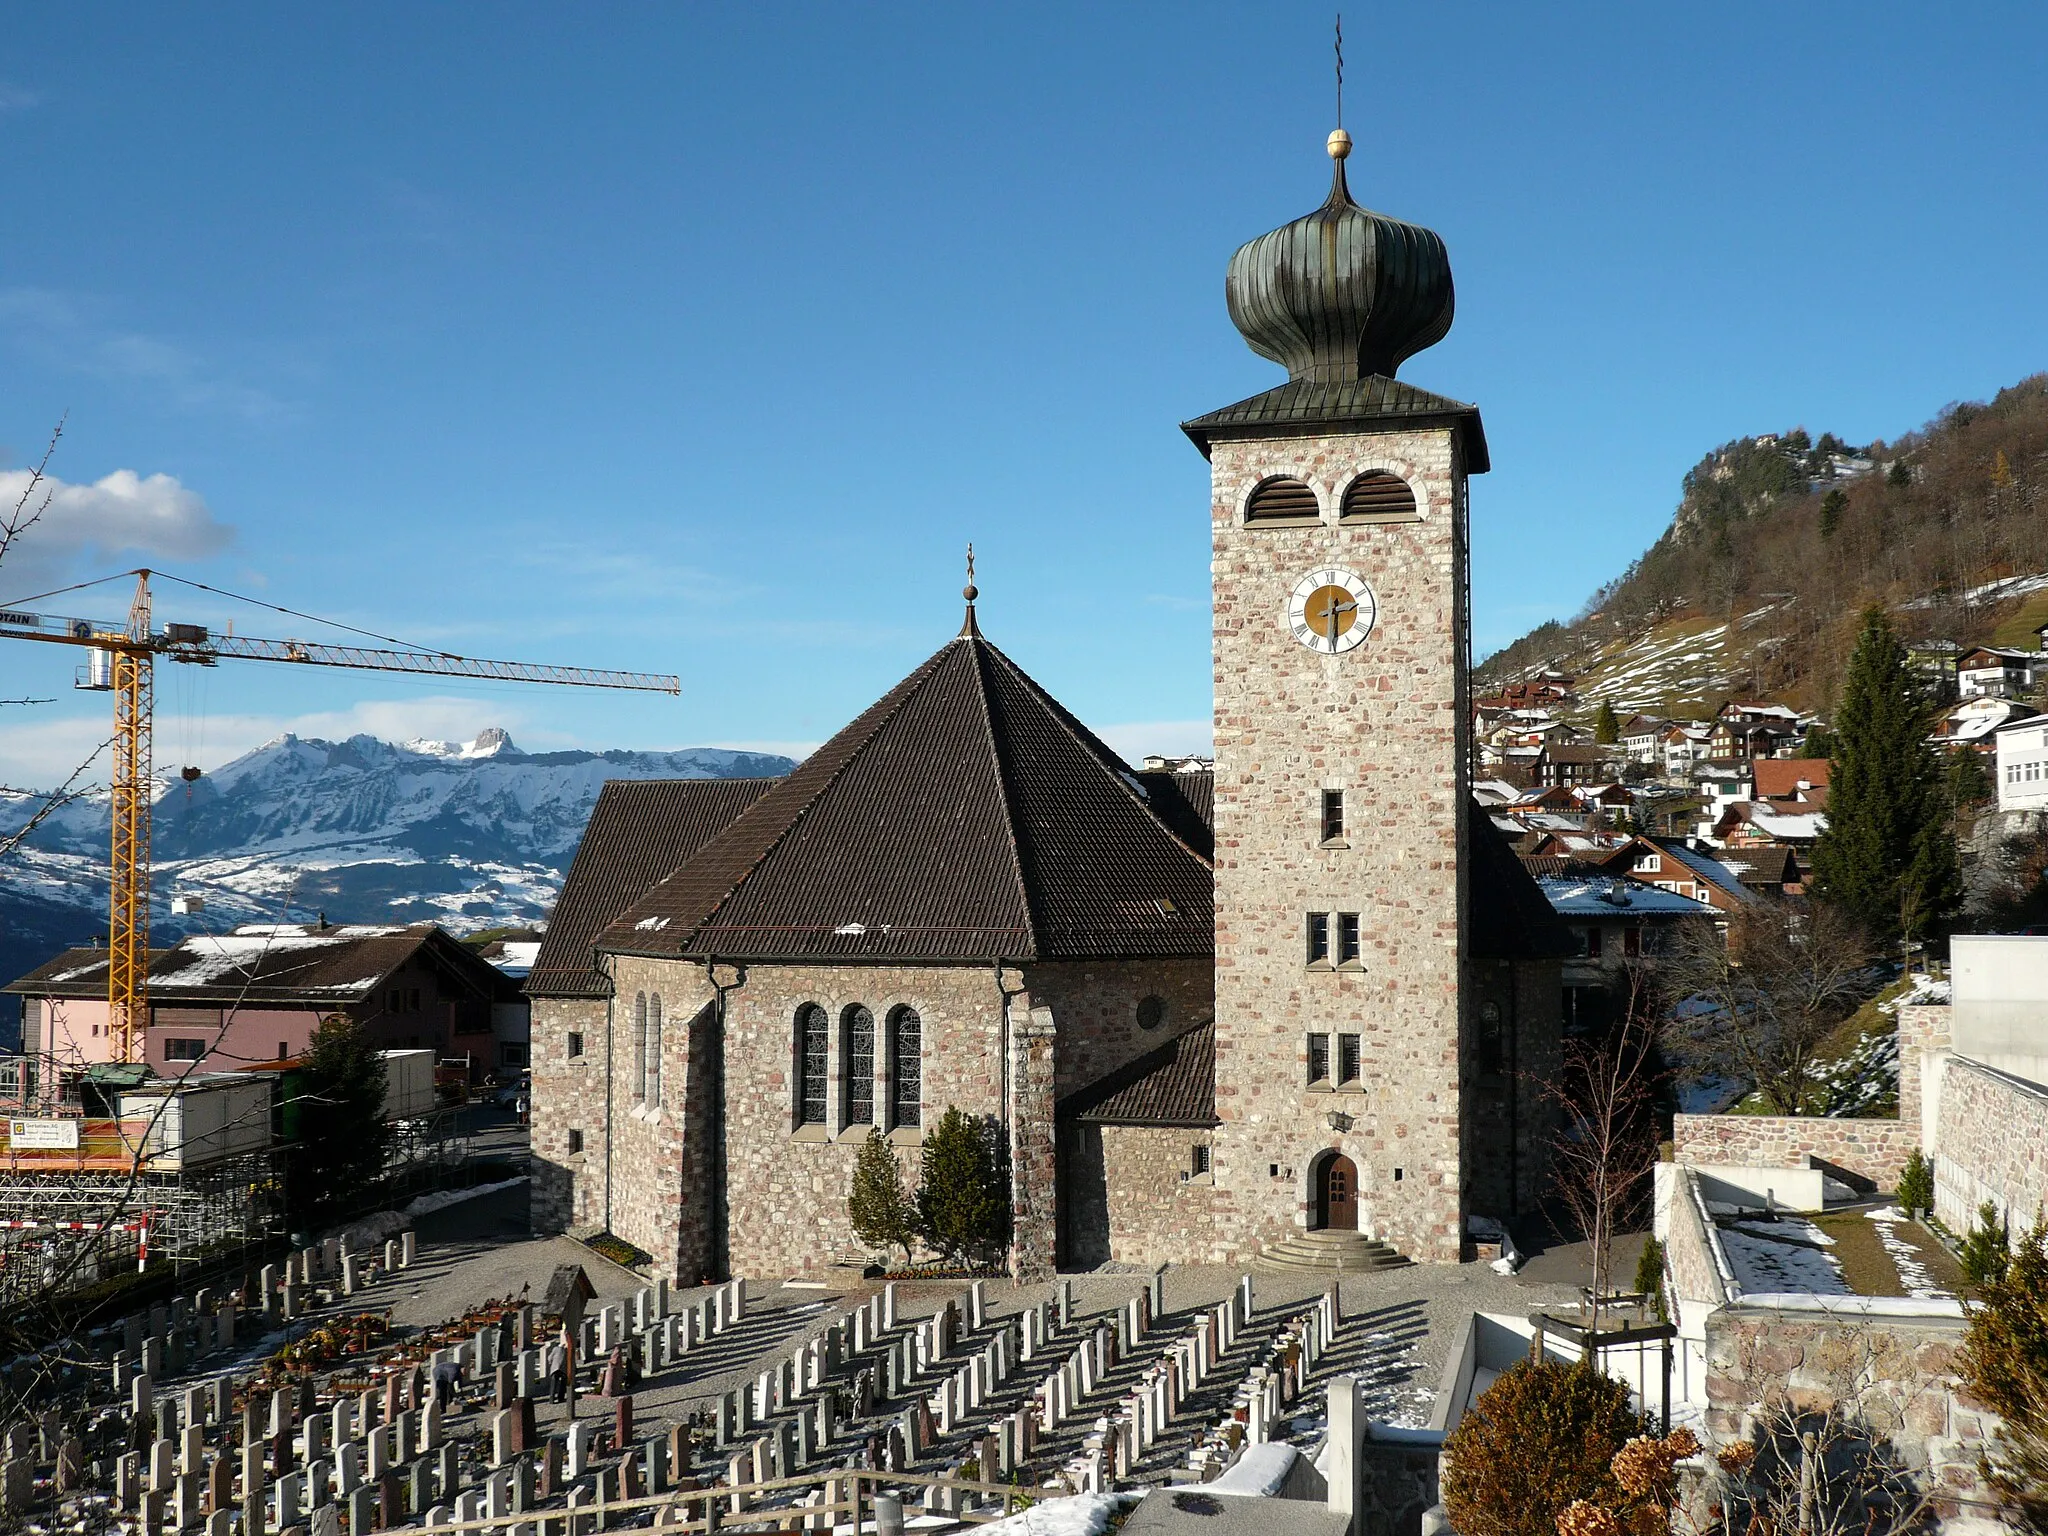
[225,1001]
[1641,736]
[2022,765]
[1975,723]
[1795,781]
[1992,672]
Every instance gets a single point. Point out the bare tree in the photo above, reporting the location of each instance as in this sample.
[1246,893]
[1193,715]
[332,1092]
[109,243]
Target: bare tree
[1759,1006]
[1606,1143]
[28,508]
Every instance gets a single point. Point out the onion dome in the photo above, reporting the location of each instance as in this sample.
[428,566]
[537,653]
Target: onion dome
[1342,293]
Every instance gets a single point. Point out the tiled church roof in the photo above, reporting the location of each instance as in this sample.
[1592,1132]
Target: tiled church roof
[640,830]
[1173,1085]
[966,816]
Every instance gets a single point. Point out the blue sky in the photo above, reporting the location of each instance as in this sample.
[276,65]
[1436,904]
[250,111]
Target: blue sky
[702,339]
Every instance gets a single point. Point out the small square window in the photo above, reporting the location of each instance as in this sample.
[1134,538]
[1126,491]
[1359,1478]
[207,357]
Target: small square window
[1200,1163]
[284,1050]
[1397,1175]
[575,1142]
[1347,938]
[575,1043]
[1333,815]
[1318,1059]
[1319,938]
[184,1050]
[1347,1058]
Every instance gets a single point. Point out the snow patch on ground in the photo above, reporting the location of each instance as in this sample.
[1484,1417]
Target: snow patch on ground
[441,1199]
[1913,1274]
[1924,989]
[1085,1514]
[1783,1255]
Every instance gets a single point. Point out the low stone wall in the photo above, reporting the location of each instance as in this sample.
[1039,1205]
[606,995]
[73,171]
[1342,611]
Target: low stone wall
[1689,1262]
[1888,1369]
[1872,1149]
[1992,1144]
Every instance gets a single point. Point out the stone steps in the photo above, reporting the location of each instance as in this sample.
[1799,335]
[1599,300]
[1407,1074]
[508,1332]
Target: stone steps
[1330,1252]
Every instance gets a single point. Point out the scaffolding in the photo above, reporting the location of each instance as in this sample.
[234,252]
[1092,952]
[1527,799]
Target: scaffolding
[71,1228]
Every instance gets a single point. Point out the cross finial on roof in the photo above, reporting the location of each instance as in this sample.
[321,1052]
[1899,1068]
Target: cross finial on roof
[970,592]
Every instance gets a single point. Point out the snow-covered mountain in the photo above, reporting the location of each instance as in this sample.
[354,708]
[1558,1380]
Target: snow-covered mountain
[470,834]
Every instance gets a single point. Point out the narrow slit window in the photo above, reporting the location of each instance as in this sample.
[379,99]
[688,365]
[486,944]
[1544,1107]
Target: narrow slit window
[640,1046]
[1347,938]
[1347,1058]
[1318,1059]
[858,1053]
[812,1032]
[654,1050]
[1319,938]
[1333,815]
[906,1068]
[1199,1164]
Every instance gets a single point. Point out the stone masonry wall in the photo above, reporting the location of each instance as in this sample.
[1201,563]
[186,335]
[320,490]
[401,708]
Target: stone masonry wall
[1381,722]
[1894,1376]
[1133,1193]
[1874,1149]
[568,1094]
[1924,1031]
[1096,1006]
[1509,1116]
[1992,1145]
[787,1186]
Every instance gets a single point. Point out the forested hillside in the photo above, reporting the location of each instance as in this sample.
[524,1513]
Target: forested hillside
[1780,540]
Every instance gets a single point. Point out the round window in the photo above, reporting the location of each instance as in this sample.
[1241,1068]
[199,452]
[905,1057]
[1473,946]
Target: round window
[1151,1012]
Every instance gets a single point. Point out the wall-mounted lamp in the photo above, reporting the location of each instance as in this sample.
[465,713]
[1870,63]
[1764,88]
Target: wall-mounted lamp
[1339,1121]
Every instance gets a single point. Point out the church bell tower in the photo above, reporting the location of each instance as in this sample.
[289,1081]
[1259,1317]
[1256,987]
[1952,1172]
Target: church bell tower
[1338,513]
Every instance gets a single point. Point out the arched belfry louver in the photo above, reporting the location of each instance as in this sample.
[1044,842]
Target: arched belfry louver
[1379,497]
[1282,500]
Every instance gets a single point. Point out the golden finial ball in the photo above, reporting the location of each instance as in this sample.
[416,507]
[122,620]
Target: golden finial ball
[1340,144]
[970,592]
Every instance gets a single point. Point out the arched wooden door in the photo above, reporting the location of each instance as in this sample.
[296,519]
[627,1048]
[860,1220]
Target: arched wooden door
[1337,1193]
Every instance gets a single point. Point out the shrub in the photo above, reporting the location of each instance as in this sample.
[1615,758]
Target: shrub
[1986,1249]
[2005,1363]
[1916,1183]
[1540,1439]
[963,1197]
[1650,1273]
[881,1213]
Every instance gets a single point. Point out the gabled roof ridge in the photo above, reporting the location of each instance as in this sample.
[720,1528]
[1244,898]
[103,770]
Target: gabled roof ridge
[882,711]
[1105,756]
[976,645]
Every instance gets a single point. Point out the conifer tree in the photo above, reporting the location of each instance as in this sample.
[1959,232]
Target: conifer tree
[1606,725]
[963,1198]
[343,1136]
[879,1209]
[1887,857]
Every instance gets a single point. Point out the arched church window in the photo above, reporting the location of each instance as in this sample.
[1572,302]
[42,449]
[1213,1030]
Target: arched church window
[640,1046]
[1378,497]
[812,1032]
[906,1068]
[1282,500]
[857,1052]
[653,1068]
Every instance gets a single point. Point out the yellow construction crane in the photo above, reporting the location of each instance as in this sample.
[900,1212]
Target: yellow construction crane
[123,662]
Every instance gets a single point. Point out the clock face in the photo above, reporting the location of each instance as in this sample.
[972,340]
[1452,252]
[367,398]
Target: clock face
[1331,610]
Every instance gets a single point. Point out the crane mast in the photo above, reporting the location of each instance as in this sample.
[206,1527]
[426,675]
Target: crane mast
[124,663]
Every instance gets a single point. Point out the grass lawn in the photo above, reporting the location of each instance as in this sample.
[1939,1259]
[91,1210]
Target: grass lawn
[1869,1271]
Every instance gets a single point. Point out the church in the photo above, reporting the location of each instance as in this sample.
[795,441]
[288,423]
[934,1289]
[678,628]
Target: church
[1295,1010]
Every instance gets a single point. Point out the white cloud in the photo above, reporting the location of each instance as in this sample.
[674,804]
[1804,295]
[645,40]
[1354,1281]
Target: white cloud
[121,514]
[1166,738]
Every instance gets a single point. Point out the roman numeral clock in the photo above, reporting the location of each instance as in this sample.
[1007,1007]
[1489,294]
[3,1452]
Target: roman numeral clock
[1332,610]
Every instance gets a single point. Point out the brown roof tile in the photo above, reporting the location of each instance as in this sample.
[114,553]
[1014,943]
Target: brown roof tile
[639,831]
[1173,1085]
[964,816]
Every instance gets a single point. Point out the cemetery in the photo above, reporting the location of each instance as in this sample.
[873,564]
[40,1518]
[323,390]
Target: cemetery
[290,1406]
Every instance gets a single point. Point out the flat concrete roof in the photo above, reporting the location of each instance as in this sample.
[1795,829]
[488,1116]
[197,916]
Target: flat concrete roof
[1192,1512]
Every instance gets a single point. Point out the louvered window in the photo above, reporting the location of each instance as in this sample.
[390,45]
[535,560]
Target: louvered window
[1282,500]
[813,1032]
[1378,497]
[640,1046]
[906,1068]
[858,1053]
[654,1051]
